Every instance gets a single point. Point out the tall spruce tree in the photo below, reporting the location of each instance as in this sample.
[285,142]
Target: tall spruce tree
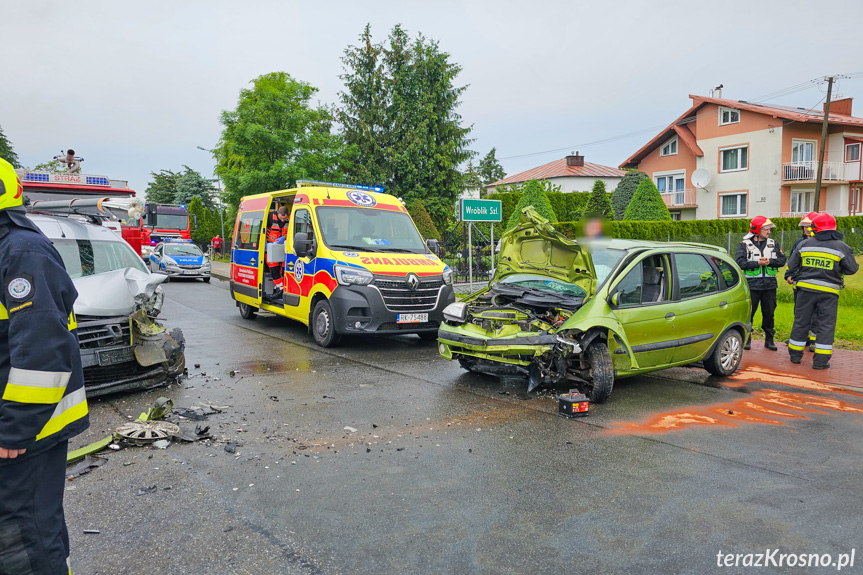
[399,111]
[7,152]
[598,205]
[622,195]
[647,204]
[532,195]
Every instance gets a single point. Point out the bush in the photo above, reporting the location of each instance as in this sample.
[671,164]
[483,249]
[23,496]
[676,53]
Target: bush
[423,220]
[647,205]
[622,195]
[532,196]
[599,205]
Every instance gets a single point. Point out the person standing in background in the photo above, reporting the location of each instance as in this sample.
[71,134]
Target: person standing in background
[760,258]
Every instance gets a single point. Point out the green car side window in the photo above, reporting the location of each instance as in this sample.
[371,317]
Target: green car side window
[696,277]
[630,289]
[730,276]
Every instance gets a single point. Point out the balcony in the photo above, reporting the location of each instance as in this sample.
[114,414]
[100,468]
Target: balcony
[834,213]
[807,172]
[679,199]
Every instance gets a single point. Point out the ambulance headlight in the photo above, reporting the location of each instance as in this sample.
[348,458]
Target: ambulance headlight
[353,276]
[456,312]
[447,276]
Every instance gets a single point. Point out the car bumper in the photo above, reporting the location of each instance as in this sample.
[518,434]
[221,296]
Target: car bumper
[361,310]
[194,274]
[519,349]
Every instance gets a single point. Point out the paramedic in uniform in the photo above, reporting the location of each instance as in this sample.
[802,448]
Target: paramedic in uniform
[819,264]
[760,259]
[43,402]
[276,233]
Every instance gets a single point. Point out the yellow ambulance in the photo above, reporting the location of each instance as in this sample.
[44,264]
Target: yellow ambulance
[353,263]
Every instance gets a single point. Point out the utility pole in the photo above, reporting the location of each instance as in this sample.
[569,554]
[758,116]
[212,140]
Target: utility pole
[823,145]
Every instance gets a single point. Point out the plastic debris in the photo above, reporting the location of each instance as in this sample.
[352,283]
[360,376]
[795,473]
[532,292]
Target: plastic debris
[86,466]
[94,447]
[160,409]
[146,490]
[91,532]
[231,447]
[350,429]
[162,444]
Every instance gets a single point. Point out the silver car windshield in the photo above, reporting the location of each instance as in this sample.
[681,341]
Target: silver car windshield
[368,230]
[87,258]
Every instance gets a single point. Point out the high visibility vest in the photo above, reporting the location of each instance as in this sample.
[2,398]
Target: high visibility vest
[752,251]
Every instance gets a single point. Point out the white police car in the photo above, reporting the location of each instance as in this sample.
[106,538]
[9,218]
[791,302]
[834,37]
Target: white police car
[180,258]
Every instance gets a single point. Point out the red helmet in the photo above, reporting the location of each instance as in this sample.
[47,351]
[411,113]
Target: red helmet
[760,222]
[806,221]
[823,222]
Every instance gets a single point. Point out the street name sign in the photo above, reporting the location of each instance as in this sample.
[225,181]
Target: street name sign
[479,210]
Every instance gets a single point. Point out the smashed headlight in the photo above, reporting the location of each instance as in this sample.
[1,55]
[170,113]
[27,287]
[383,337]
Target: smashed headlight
[456,312]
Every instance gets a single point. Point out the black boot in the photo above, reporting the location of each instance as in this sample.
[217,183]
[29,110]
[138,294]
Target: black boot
[768,342]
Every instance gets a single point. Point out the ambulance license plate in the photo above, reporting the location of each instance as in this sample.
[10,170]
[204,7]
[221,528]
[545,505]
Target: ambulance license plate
[412,318]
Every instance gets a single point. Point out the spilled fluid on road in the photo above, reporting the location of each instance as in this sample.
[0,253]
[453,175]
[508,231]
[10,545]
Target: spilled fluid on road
[772,404]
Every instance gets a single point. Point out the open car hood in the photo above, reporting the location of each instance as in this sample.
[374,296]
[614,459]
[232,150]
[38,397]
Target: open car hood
[118,292]
[534,247]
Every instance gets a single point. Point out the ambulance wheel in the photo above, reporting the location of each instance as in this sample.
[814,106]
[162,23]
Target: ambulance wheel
[323,328]
[727,354]
[247,311]
[601,372]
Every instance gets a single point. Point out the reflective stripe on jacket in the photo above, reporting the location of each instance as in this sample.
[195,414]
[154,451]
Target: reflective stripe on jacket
[42,396]
[746,256]
[821,261]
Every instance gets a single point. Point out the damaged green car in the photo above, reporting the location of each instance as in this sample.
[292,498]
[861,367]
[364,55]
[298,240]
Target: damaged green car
[560,311]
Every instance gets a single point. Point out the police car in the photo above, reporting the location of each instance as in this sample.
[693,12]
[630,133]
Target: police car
[180,258]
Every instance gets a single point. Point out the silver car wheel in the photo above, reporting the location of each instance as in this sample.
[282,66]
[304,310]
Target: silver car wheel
[729,353]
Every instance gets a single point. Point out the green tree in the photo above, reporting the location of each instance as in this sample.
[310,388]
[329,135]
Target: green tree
[490,169]
[398,110]
[274,137]
[54,166]
[599,205]
[423,220]
[163,188]
[191,184]
[7,152]
[532,195]
[622,195]
[647,204]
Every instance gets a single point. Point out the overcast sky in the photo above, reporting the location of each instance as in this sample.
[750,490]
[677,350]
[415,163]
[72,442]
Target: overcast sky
[134,87]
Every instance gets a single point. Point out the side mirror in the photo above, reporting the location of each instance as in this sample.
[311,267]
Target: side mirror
[433,246]
[302,244]
[614,299]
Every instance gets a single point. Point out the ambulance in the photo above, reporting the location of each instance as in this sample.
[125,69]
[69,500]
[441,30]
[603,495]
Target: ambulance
[353,262]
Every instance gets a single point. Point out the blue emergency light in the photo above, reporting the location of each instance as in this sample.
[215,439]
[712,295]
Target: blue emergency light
[36,177]
[176,241]
[301,183]
[97,181]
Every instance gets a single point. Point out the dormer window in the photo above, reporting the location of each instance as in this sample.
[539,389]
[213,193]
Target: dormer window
[670,148]
[728,116]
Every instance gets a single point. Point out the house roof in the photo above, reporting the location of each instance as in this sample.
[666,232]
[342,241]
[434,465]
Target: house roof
[783,112]
[559,169]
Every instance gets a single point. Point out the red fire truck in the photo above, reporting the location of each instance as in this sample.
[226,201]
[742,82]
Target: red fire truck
[158,221]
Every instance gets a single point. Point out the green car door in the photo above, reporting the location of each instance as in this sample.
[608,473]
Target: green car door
[645,309]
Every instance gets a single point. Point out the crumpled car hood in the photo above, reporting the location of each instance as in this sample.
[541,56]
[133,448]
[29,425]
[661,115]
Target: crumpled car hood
[118,292]
[534,247]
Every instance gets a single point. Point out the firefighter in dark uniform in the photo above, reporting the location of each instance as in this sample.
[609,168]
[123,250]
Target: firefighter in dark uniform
[819,264]
[760,258]
[806,227]
[276,233]
[42,401]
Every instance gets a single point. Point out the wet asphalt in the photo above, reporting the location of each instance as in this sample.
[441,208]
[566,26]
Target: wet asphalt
[453,472]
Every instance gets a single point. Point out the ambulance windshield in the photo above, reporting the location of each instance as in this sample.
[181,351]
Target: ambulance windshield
[369,230]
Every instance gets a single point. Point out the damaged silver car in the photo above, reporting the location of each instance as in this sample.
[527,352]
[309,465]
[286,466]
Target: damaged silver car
[122,346]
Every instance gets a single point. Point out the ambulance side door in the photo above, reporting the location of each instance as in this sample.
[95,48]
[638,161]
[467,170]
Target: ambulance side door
[299,271]
[247,255]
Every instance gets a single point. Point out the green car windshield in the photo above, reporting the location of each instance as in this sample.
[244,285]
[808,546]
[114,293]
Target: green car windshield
[604,262]
[544,283]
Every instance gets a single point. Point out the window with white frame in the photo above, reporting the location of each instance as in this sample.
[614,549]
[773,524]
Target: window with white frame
[734,159]
[675,216]
[802,151]
[852,152]
[728,116]
[732,205]
[801,201]
[670,148]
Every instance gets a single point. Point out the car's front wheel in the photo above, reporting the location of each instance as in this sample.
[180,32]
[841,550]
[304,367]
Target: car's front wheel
[323,328]
[727,354]
[601,372]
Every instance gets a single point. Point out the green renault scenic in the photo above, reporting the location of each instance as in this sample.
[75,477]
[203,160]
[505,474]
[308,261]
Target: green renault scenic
[559,311]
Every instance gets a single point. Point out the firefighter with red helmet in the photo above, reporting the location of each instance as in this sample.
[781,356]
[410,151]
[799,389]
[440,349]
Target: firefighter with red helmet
[819,265]
[276,233]
[760,257]
[42,397]
[806,227]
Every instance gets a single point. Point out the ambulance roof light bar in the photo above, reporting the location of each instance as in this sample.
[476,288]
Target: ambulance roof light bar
[305,183]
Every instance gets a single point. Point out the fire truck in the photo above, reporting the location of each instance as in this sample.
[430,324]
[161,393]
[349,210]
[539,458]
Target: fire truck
[158,221]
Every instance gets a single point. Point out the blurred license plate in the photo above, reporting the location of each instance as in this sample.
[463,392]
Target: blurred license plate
[412,318]
[190,272]
[115,356]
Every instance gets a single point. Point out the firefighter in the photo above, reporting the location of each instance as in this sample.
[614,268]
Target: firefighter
[760,258]
[819,264]
[42,403]
[276,233]
[806,227]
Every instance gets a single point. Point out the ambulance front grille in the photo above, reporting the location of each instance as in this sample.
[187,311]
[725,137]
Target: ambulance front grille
[399,297]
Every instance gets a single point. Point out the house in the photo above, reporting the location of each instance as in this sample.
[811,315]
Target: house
[736,159]
[571,173]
